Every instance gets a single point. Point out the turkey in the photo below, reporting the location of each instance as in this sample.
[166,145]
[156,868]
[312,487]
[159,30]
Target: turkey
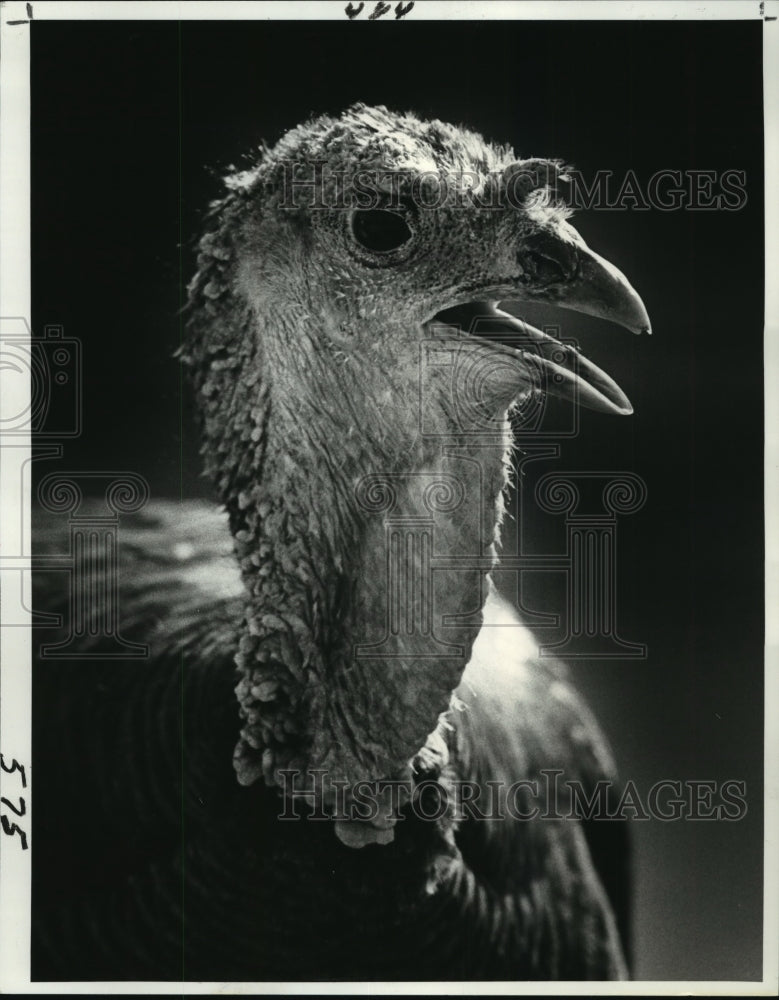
[285,788]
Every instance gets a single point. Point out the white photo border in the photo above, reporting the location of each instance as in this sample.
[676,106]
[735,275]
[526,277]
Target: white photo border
[15,305]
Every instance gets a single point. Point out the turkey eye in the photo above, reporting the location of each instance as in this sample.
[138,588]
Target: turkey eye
[380,231]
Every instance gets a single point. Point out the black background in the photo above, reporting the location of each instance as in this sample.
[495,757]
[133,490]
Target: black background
[133,123]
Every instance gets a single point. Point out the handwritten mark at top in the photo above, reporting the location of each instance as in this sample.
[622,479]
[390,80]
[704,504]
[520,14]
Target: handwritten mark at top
[380,9]
[29,16]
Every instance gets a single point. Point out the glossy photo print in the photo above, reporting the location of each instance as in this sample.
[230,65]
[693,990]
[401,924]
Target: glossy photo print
[383,456]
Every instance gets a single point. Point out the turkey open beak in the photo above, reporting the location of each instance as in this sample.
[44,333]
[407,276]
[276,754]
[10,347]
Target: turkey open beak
[563,272]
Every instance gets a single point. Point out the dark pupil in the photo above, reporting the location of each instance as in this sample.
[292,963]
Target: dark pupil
[380,231]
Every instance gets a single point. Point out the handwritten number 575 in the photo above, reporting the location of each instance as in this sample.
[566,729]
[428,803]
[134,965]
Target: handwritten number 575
[8,826]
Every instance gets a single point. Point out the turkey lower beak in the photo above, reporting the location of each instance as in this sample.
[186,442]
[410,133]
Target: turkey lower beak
[538,360]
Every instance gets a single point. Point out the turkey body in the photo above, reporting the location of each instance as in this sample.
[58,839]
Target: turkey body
[152,863]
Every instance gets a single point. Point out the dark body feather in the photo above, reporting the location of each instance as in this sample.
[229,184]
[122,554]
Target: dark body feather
[152,862]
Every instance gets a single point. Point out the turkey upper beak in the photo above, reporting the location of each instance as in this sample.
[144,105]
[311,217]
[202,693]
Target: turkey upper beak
[562,270]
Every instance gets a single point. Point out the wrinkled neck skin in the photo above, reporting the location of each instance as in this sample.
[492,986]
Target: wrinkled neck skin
[349,486]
